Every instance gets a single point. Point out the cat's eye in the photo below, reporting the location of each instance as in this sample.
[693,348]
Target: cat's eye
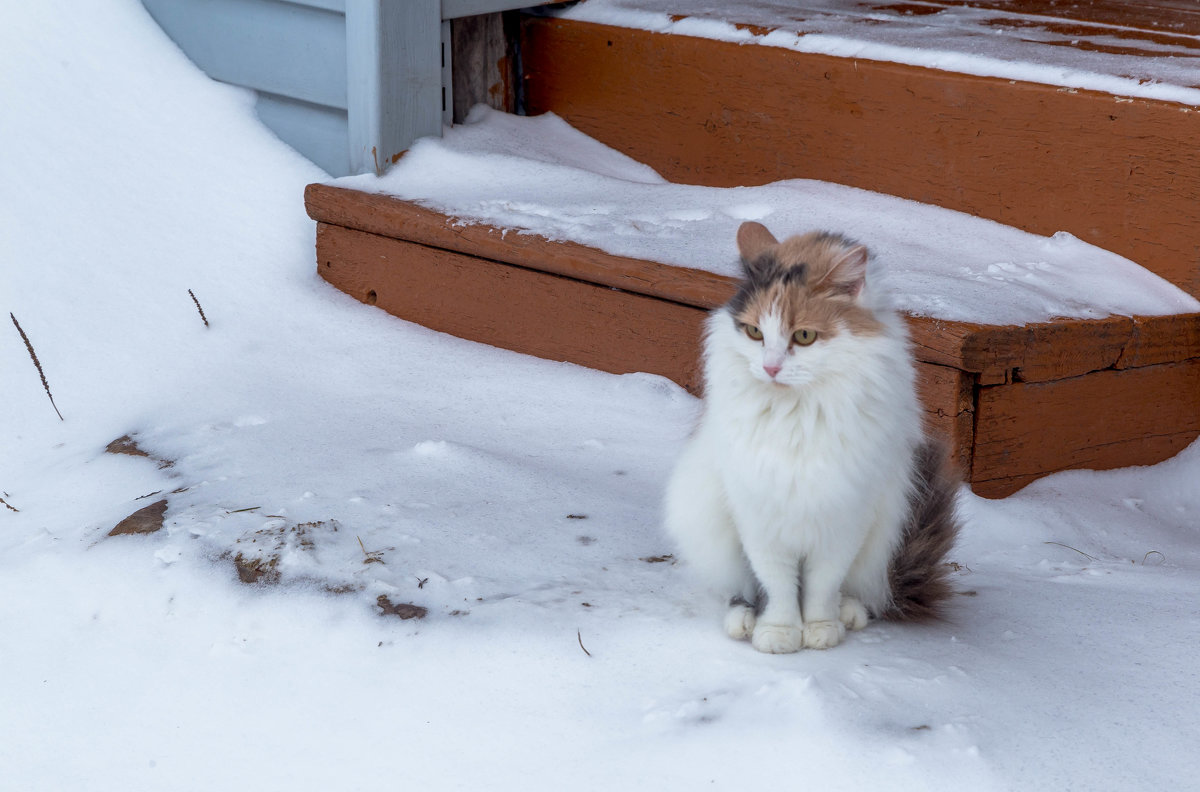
[804,337]
[753,332]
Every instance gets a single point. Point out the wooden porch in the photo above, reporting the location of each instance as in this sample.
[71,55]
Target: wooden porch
[1016,402]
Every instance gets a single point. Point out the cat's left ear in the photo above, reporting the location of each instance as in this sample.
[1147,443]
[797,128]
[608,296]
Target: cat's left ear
[849,271]
[753,239]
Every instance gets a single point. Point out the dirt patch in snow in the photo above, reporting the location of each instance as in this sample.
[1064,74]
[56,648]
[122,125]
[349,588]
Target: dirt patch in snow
[125,444]
[145,520]
[405,610]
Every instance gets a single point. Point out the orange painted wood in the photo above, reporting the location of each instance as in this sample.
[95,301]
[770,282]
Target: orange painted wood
[387,216]
[948,396]
[1161,339]
[1046,350]
[1101,420]
[1178,19]
[1038,351]
[531,312]
[1120,173]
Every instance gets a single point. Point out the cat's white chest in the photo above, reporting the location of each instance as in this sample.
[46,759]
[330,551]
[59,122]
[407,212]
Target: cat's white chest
[792,466]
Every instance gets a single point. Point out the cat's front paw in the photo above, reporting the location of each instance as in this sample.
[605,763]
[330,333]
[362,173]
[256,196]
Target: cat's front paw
[778,638]
[823,634]
[853,614]
[739,622]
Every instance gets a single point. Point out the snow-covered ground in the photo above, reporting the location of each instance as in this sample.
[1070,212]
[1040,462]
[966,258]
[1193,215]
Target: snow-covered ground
[515,499]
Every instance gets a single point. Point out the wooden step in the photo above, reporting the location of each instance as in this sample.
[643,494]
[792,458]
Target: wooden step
[1134,23]
[1015,403]
[1121,173]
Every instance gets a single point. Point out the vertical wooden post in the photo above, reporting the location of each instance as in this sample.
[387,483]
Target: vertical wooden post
[394,72]
[483,64]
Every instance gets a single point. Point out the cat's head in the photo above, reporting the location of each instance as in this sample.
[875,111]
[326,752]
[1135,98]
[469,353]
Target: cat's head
[801,304]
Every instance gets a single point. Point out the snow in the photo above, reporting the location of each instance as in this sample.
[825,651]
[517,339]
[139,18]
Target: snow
[142,662]
[539,175]
[980,41]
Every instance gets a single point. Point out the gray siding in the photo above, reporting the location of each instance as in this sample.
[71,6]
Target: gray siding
[347,83]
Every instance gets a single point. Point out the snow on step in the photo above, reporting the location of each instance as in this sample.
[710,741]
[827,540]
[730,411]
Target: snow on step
[539,175]
[988,42]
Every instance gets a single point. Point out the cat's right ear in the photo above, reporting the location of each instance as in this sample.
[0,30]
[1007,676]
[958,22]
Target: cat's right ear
[753,239]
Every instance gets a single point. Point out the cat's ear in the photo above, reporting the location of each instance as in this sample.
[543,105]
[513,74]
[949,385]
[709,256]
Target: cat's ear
[848,273]
[753,239]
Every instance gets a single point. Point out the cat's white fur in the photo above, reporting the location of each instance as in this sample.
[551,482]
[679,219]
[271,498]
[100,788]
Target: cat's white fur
[801,478]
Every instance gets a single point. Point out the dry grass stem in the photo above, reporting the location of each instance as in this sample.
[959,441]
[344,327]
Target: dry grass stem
[1077,550]
[370,556]
[579,635]
[8,505]
[33,356]
[198,308]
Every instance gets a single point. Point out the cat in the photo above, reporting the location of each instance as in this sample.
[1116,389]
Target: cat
[809,482]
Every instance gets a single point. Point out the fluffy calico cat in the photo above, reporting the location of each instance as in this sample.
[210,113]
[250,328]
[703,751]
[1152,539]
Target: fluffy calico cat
[809,482]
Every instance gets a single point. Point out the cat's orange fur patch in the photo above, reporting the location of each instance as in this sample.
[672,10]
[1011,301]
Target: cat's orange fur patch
[810,288]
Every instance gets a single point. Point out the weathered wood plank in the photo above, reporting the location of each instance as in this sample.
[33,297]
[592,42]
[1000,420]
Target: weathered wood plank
[1100,420]
[1068,348]
[1035,352]
[1119,173]
[535,313]
[978,348]
[386,216]
[949,400]
[1162,339]
[996,354]
[483,66]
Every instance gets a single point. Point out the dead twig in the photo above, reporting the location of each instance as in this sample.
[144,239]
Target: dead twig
[579,636]
[198,308]
[37,364]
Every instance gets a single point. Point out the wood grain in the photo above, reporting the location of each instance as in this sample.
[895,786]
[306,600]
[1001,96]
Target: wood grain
[1119,173]
[387,216]
[483,65]
[1101,420]
[948,396]
[520,309]
[1162,339]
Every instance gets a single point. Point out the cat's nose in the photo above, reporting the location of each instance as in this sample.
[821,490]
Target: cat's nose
[771,370]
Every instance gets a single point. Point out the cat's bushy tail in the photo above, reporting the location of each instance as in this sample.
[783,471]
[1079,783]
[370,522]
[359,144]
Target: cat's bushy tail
[919,574]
